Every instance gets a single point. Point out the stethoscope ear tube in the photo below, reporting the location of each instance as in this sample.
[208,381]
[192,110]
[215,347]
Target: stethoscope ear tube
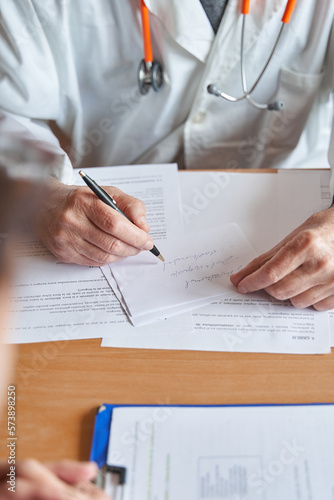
[273,106]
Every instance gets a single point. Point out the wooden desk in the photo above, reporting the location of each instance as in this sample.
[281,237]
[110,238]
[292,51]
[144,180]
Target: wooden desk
[60,385]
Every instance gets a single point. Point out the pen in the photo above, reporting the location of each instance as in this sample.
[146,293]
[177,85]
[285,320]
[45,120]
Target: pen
[108,200]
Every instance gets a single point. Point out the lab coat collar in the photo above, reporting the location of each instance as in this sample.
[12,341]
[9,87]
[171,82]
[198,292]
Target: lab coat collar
[187,23]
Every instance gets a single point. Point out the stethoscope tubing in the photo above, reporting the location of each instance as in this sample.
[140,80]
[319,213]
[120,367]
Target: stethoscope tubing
[277,105]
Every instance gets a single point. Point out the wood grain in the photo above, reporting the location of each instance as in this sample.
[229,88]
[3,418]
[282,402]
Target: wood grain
[61,384]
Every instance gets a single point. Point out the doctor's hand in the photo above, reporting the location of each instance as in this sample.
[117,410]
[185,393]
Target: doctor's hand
[78,228]
[65,480]
[299,268]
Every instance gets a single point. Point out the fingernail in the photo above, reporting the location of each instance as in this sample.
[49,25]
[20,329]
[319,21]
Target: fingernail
[148,246]
[242,289]
[93,466]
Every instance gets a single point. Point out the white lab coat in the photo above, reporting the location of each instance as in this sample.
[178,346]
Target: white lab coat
[73,64]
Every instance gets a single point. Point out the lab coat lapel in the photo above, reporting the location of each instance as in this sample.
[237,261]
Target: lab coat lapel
[187,23]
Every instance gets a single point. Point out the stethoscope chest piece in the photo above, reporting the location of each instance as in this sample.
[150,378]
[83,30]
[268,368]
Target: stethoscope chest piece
[150,74]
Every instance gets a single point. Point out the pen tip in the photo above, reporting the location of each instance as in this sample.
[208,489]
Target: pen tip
[82,173]
[161,257]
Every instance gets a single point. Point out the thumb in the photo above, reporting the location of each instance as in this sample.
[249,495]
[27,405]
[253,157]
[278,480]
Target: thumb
[74,472]
[132,207]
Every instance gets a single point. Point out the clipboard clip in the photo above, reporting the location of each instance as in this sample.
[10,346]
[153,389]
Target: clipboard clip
[111,478]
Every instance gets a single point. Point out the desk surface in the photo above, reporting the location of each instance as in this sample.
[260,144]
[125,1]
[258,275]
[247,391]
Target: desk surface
[60,385]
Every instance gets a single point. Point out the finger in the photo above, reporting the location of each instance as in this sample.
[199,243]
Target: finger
[74,472]
[93,219]
[115,224]
[47,485]
[110,243]
[296,242]
[73,249]
[26,489]
[250,268]
[118,250]
[286,260]
[131,206]
[31,489]
[296,283]
[325,304]
[310,274]
[312,296]
[87,491]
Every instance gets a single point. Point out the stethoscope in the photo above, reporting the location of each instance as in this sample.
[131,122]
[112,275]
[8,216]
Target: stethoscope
[150,72]
[272,106]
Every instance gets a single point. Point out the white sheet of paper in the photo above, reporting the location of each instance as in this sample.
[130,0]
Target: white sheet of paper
[149,318]
[210,199]
[244,453]
[259,323]
[299,198]
[56,301]
[197,268]
[244,323]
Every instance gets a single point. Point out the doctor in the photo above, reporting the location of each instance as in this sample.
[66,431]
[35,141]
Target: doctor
[69,78]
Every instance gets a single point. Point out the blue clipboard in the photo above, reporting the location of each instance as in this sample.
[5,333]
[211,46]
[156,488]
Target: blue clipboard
[103,419]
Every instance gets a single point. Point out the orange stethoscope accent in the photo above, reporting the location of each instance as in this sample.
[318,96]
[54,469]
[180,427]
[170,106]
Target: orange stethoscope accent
[150,73]
[287,13]
[145,19]
[217,91]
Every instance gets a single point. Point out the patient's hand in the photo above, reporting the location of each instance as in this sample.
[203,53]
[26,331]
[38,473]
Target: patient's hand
[299,268]
[59,481]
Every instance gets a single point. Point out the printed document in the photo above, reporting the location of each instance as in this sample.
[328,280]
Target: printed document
[243,453]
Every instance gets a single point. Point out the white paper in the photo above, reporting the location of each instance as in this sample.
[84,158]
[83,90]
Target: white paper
[244,453]
[299,198]
[244,323]
[250,200]
[150,318]
[259,323]
[56,301]
[197,268]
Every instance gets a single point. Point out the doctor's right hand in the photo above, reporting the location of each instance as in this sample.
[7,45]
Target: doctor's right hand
[78,228]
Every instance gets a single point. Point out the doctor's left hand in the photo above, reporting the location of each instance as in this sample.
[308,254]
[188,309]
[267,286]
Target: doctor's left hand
[299,268]
[78,228]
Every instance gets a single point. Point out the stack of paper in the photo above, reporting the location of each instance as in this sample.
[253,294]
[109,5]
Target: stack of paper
[232,322]
[56,301]
[196,270]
